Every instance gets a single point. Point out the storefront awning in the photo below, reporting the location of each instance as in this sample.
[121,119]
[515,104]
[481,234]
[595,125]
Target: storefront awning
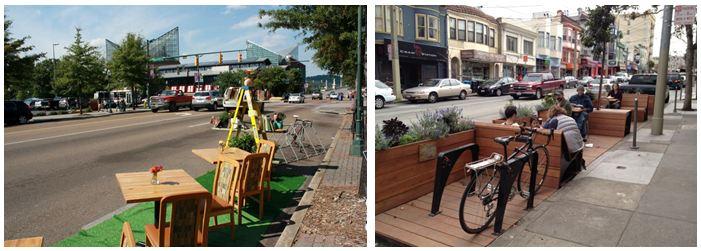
[481,56]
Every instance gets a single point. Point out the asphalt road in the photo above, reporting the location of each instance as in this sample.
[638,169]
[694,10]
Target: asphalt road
[59,176]
[475,107]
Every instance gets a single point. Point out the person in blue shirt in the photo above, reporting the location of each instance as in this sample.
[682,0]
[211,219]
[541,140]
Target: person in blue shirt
[585,103]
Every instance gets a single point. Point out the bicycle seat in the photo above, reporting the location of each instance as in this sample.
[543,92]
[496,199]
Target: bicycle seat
[504,140]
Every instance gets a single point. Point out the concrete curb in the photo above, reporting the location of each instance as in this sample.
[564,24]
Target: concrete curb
[288,235]
[336,112]
[40,120]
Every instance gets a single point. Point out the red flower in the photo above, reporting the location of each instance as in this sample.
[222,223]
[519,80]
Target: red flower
[156,169]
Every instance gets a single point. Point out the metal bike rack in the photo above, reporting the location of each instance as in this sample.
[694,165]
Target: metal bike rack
[506,180]
[444,165]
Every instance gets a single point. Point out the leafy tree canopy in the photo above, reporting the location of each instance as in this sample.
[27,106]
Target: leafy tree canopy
[128,67]
[81,70]
[19,65]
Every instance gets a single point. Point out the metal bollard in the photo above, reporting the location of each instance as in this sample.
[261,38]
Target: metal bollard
[675,100]
[635,123]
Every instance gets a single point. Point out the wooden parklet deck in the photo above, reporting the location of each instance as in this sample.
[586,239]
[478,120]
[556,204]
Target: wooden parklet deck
[410,223]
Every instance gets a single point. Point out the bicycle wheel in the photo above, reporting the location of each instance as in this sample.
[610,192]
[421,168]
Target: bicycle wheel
[479,201]
[543,163]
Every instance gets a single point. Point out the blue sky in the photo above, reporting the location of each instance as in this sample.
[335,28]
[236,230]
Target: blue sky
[202,28]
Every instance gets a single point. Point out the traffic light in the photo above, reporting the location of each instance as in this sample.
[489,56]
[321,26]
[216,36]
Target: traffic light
[240,57]
[221,58]
[197,61]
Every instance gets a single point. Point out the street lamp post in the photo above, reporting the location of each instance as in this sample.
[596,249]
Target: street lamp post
[53,52]
[358,141]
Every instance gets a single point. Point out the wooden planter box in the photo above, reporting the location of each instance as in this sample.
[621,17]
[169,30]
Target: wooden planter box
[526,121]
[400,175]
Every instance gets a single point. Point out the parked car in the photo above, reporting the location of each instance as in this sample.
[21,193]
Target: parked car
[333,95]
[17,112]
[585,81]
[438,88]
[207,99]
[37,103]
[645,84]
[496,87]
[296,98]
[594,87]
[571,82]
[675,81]
[536,85]
[383,94]
[317,95]
[621,77]
[171,99]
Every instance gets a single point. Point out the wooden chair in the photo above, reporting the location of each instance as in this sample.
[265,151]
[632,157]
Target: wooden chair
[127,239]
[250,182]
[223,192]
[188,224]
[269,147]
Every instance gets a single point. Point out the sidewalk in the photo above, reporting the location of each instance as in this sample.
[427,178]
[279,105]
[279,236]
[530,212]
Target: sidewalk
[336,216]
[87,115]
[644,197]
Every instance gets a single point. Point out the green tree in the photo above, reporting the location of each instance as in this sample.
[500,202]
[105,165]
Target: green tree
[129,64]
[274,79]
[600,32]
[295,79]
[43,78]
[331,30]
[229,79]
[19,65]
[81,71]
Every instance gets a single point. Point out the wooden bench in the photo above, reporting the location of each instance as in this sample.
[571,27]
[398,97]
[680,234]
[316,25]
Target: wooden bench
[610,122]
[628,103]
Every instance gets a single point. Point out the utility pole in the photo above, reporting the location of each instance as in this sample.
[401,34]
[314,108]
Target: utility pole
[358,140]
[689,70]
[53,52]
[395,56]
[661,88]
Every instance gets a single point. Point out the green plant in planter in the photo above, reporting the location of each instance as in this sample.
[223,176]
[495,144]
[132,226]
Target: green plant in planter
[450,116]
[244,142]
[429,125]
[408,138]
[279,118]
[394,129]
[381,142]
[464,124]
[523,111]
[548,101]
[502,113]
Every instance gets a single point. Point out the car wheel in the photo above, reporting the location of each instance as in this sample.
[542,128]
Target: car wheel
[412,101]
[22,120]
[539,94]
[214,106]
[433,97]
[172,107]
[514,97]
[463,95]
[154,110]
[498,92]
[379,102]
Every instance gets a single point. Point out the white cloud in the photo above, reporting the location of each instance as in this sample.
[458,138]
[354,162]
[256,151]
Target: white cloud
[232,8]
[250,22]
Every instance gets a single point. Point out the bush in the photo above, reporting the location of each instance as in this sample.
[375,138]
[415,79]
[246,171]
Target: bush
[429,125]
[548,101]
[408,138]
[244,142]
[450,117]
[393,130]
[524,111]
[464,125]
[381,143]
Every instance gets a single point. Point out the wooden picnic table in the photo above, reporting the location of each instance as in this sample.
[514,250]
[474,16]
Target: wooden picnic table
[25,242]
[136,187]
[213,155]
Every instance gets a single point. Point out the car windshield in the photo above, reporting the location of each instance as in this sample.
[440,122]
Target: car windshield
[643,79]
[167,93]
[533,78]
[431,82]
[380,85]
[201,94]
[294,94]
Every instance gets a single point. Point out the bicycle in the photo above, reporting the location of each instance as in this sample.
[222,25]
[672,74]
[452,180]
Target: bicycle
[483,185]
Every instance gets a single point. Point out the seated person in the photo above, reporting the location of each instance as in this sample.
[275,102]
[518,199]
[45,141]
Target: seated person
[584,102]
[560,121]
[510,114]
[617,94]
[562,102]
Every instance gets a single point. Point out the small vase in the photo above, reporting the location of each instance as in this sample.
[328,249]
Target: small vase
[154,179]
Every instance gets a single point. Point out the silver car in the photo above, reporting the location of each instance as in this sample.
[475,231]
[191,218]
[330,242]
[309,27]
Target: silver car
[207,99]
[437,88]
[296,98]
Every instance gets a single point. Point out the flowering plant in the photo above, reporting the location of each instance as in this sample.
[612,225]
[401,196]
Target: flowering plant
[156,169]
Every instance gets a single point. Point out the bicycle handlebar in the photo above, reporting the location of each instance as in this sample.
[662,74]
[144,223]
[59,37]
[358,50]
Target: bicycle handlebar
[531,130]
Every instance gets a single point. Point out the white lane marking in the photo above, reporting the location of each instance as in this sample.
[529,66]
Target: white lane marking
[184,114]
[96,130]
[205,123]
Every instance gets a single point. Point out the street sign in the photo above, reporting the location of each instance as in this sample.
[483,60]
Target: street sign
[684,14]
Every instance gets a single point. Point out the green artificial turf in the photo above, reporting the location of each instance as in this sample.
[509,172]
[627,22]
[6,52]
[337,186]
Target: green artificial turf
[108,232]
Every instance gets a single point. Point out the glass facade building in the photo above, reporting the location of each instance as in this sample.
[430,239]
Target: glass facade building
[167,45]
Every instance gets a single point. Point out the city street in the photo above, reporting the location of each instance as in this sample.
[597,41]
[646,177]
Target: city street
[474,107]
[59,176]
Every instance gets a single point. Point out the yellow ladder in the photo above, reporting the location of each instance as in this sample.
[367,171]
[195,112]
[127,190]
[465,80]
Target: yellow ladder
[252,113]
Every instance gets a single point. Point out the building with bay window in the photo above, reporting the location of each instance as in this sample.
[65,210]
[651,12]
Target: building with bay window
[472,44]
[570,45]
[549,42]
[517,44]
[421,39]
